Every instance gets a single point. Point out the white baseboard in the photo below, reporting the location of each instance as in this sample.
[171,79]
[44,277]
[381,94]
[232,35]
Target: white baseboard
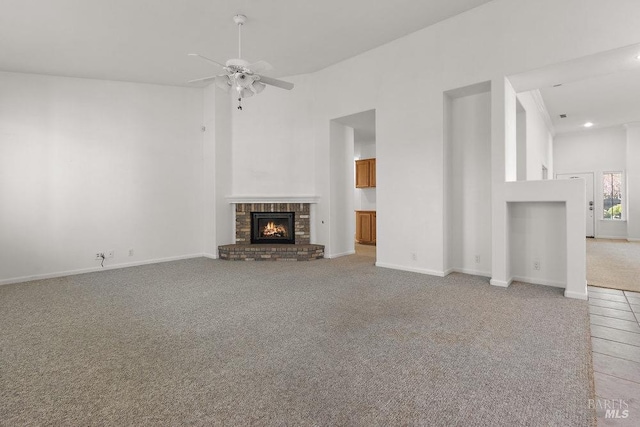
[539,281]
[611,237]
[576,295]
[340,254]
[470,271]
[500,283]
[210,256]
[94,269]
[411,269]
[632,239]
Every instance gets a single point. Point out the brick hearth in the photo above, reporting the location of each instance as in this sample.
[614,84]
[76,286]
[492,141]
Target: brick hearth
[243,250]
[271,252]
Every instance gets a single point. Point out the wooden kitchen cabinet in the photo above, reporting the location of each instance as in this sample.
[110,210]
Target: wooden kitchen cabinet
[366,173]
[366,227]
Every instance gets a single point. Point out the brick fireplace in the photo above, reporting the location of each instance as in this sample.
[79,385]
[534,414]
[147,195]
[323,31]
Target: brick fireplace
[301,225]
[300,249]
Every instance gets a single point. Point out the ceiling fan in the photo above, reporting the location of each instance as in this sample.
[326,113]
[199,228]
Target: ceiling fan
[241,76]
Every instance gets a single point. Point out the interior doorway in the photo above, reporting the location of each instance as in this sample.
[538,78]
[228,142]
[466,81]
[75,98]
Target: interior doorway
[590,205]
[361,185]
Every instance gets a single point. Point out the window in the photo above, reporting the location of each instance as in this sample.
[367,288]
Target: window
[612,195]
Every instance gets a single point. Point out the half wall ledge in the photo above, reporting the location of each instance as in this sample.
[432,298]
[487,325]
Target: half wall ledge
[572,193]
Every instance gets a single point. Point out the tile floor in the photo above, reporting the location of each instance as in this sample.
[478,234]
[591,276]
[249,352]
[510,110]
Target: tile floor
[615,341]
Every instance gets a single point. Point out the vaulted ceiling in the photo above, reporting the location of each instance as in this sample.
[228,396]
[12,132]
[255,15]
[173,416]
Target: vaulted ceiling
[148,40]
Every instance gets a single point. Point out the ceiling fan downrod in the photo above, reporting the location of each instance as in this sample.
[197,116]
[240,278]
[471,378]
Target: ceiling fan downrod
[240,20]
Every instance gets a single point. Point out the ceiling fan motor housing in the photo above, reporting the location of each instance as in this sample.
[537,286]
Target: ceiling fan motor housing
[237,64]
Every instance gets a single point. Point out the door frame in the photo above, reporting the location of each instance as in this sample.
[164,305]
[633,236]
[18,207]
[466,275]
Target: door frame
[593,180]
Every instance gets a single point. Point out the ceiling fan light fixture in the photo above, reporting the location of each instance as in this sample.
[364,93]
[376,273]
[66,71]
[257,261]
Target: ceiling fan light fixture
[241,92]
[258,87]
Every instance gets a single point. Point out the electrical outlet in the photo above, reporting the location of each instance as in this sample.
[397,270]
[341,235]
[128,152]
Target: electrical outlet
[110,254]
[100,255]
[477,259]
[414,256]
[536,265]
[130,252]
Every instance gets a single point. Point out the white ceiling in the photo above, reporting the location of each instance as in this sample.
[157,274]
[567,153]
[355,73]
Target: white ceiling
[603,89]
[610,100]
[148,40]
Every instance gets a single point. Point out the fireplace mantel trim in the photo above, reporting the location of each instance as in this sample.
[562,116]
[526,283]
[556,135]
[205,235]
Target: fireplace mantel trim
[272,199]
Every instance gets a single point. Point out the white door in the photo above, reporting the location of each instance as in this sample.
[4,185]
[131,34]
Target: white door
[590,207]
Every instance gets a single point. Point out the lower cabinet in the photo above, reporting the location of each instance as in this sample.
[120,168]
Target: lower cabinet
[366,227]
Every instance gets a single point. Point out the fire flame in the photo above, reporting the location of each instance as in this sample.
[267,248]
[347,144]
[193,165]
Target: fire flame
[274,230]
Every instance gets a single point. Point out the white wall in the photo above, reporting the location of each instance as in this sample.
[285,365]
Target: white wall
[633,182]
[597,151]
[224,215]
[538,234]
[469,209]
[273,142]
[539,141]
[218,221]
[89,165]
[342,218]
[521,142]
[209,206]
[503,135]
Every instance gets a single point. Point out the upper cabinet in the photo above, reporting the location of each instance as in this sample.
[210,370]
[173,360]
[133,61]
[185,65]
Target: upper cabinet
[365,173]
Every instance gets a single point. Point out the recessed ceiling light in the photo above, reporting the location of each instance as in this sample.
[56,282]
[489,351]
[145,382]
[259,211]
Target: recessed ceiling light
[638,57]
[588,124]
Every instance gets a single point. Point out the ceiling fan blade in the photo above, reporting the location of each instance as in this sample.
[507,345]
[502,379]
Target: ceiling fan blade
[275,82]
[204,79]
[207,59]
[260,67]
[223,82]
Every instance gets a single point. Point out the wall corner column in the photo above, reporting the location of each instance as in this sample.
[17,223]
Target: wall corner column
[503,106]
[633,181]
[576,247]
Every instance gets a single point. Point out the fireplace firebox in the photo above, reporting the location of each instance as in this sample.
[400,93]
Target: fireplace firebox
[273,227]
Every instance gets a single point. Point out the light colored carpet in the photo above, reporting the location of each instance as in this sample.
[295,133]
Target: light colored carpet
[329,342]
[613,264]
